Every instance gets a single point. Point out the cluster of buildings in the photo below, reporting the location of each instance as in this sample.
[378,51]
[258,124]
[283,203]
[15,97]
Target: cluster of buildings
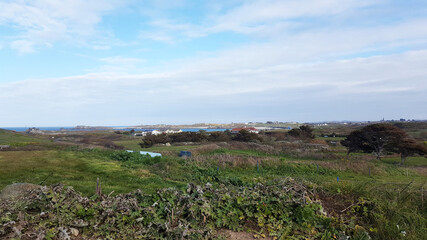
[158,131]
[171,131]
[249,129]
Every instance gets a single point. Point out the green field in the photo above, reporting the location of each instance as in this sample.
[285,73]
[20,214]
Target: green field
[18,139]
[76,168]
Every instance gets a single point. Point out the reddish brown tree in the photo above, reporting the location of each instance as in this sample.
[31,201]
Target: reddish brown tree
[381,138]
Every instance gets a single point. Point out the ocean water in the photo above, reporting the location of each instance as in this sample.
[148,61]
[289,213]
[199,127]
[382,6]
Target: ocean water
[205,129]
[23,129]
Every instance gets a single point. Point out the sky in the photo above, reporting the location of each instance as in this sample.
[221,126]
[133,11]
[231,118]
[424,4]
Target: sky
[129,62]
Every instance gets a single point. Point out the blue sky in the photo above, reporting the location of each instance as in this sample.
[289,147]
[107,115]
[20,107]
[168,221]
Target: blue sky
[100,62]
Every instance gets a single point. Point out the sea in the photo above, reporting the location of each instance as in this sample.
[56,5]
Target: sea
[121,128]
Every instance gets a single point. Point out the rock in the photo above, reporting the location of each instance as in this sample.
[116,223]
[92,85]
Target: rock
[17,190]
[74,231]
[34,131]
[168,144]
[4,147]
[63,234]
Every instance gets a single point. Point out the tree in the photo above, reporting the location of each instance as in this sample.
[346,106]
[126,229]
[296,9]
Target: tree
[381,138]
[408,147]
[356,141]
[151,139]
[246,136]
[220,136]
[304,131]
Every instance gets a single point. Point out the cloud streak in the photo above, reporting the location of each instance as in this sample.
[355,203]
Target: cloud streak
[44,22]
[373,77]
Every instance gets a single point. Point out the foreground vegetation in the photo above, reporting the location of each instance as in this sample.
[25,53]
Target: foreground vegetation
[287,190]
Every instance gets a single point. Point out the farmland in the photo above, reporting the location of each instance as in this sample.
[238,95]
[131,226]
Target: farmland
[352,195]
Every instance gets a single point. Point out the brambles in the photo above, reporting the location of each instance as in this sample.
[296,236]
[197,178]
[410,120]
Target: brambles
[283,208]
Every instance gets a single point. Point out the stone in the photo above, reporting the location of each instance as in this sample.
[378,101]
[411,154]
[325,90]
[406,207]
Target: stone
[74,231]
[4,147]
[17,190]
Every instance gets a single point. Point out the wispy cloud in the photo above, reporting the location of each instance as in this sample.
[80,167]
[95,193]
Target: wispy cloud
[101,47]
[344,80]
[121,60]
[120,64]
[157,36]
[43,22]
[262,18]
[23,46]
[250,17]
[287,59]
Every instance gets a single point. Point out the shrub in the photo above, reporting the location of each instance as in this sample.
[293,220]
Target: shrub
[303,132]
[134,158]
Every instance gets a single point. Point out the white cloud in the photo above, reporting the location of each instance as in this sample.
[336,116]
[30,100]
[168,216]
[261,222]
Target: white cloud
[157,36]
[293,65]
[351,81]
[120,64]
[23,46]
[261,13]
[101,47]
[43,22]
[121,60]
[261,18]
[310,47]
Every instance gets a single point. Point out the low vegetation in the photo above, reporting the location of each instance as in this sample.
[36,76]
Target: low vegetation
[276,186]
[199,137]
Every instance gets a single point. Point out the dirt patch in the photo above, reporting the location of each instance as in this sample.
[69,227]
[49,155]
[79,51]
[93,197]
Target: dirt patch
[230,160]
[421,170]
[253,146]
[205,148]
[336,205]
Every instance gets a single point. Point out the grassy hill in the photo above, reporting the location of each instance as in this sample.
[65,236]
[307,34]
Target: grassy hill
[17,139]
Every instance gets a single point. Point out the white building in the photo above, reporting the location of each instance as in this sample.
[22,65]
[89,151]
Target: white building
[173,131]
[166,131]
[156,132]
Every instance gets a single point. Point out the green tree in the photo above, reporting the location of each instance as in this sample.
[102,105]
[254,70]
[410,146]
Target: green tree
[408,147]
[304,132]
[151,139]
[246,136]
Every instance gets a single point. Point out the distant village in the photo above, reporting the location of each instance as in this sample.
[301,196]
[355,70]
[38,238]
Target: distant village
[159,131]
